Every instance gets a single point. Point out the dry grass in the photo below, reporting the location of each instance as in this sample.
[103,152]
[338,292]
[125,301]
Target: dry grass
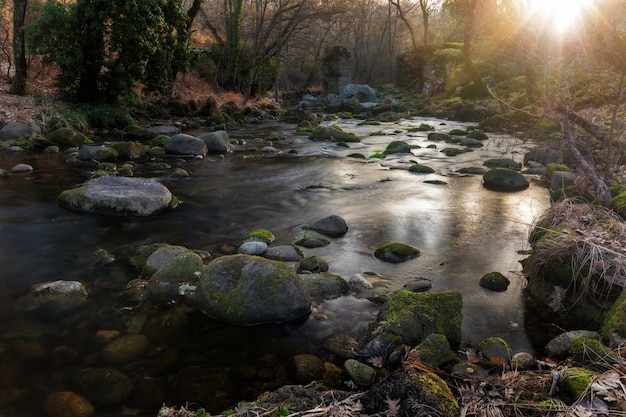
[591,237]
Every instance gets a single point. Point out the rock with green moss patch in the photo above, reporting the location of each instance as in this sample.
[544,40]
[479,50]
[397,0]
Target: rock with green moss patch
[333,133]
[313,264]
[496,351]
[396,252]
[128,150]
[67,137]
[592,351]
[560,346]
[409,317]
[397,146]
[435,350]
[360,373]
[574,383]
[457,132]
[325,285]
[285,253]
[97,153]
[421,169]
[494,281]
[261,235]
[503,163]
[504,179]
[478,135]
[439,137]
[615,319]
[249,290]
[472,170]
[454,151]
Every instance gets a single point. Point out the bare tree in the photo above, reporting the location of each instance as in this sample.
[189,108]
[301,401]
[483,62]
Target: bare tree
[18,86]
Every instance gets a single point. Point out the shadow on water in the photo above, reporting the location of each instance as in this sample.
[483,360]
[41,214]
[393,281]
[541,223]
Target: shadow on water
[462,229]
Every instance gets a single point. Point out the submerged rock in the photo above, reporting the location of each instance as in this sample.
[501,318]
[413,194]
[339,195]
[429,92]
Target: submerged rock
[183,144]
[120,196]
[504,179]
[396,252]
[54,297]
[103,386]
[248,290]
[68,404]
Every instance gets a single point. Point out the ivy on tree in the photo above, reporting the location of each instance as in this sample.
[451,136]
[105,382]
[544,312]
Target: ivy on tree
[105,48]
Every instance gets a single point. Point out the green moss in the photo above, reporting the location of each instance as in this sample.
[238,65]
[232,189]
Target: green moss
[549,404]
[555,167]
[424,127]
[615,319]
[454,151]
[457,132]
[397,146]
[618,204]
[421,169]
[585,349]
[574,383]
[396,252]
[438,137]
[369,122]
[261,235]
[378,155]
[437,394]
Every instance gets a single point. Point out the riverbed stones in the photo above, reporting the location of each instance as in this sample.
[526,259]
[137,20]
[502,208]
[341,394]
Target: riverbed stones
[284,253]
[504,179]
[97,153]
[331,226]
[325,285]
[395,252]
[103,386]
[67,137]
[120,196]
[183,144]
[494,281]
[252,247]
[217,141]
[126,348]
[67,404]
[163,256]
[248,290]
[54,297]
[360,373]
[22,168]
[312,264]
[14,130]
[307,368]
[408,318]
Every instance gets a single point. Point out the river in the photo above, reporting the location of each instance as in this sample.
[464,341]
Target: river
[462,229]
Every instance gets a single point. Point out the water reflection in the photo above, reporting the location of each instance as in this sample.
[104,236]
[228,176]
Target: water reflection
[462,230]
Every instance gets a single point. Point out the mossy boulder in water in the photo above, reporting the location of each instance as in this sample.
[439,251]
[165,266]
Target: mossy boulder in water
[325,285]
[331,226]
[249,290]
[504,179]
[396,252]
[333,133]
[397,146]
[494,281]
[408,318]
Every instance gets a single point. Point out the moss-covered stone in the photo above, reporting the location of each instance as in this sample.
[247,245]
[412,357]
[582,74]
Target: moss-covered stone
[495,350]
[421,169]
[477,134]
[504,179]
[397,146]
[333,133]
[457,132]
[494,281]
[454,151]
[439,137]
[587,350]
[261,235]
[435,350]
[67,137]
[396,252]
[325,285]
[574,383]
[615,319]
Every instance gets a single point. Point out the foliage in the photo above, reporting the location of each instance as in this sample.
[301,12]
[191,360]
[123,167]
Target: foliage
[105,48]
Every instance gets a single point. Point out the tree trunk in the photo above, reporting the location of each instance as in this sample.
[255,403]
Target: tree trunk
[18,85]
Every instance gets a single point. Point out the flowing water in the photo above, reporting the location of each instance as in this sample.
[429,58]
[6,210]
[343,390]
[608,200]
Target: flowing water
[462,229]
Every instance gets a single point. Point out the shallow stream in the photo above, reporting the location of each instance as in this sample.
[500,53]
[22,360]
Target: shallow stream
[462,229]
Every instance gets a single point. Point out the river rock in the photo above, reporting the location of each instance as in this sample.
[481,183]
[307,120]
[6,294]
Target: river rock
[126,348]
[408,318]
[217,141]
[331,226]
[522,361]
[396,252]
[163,256]
[67,137]
[53,297]
[543,155]
[418,285]
[312,264]
[503,163]
[14,130]
[120,196]
[252,247]
[103,386]
[562,179]
[495,351]
[307,368]
[560,346]
[128,150]
[397,146]
[248,290]
[285,253]
[22,168]
[97,153]
[435,350]
[325,285]
[68,404]
[184,267]
[183,144]
[504,179]
[494,281]
[360,373]
[312,242]
[164,130]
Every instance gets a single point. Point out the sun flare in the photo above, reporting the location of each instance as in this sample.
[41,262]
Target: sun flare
[559,15]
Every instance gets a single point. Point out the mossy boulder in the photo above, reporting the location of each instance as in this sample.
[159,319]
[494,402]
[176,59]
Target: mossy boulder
[413,389]
[396,252]
[67,137]
[615,319]
[454,151]
[68,404]
[313,264]
[477,134]
[248,290]
[325,285]
[421,169]
[409,317]
[97,153]
[435,350]
[457,132]
[504,179]
[591,351]
[261,235]
[333,133]
[128,150]
[439,137]
[496,351]
[574,383]
[494,281]
[397,146]
[503,163]
[331,226]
